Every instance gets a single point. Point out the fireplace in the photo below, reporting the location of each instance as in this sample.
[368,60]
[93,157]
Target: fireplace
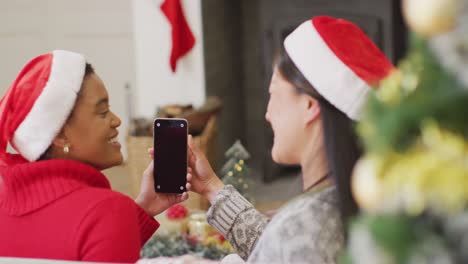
[240,40]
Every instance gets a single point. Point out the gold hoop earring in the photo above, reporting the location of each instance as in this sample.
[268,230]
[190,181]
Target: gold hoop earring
[66,149]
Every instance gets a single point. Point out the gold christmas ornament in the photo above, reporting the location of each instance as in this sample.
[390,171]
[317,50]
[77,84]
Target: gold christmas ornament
[365,185]
[431,17]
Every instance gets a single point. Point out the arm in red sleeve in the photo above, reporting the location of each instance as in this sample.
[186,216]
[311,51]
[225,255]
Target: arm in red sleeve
[148,225]
[111,231]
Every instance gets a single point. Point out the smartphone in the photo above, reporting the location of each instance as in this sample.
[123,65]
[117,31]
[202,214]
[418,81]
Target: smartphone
[170,155]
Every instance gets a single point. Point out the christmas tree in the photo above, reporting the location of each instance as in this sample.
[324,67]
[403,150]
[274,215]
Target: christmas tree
[235,171]
[412,183]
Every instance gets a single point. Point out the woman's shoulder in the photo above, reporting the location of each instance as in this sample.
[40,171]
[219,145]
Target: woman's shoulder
[325,200]
[306,230]
[96,205]
[315,214]
[91,197]
[88,206]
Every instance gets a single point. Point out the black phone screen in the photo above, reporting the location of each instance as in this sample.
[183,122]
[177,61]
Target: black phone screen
[170,155]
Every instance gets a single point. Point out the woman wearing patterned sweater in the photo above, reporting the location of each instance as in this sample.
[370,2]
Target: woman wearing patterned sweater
[318,87]
[54,201]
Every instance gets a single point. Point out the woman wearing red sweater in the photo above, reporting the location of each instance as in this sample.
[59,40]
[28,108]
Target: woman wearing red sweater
[54,201]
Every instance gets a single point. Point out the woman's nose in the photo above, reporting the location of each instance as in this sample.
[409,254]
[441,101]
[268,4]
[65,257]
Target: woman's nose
[116,122]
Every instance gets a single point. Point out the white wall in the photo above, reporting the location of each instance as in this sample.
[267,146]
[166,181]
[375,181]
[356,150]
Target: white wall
[101,30]
[110,33]
[156,85]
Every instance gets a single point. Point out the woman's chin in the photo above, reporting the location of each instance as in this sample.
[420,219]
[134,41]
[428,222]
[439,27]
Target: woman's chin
[117,161]
[118,157]
[274,156]
[282,159]
[277,157]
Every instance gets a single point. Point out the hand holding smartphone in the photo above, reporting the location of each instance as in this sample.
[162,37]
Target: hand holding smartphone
[170,155]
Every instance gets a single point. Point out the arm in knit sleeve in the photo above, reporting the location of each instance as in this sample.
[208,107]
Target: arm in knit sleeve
[236,218]
[110,232]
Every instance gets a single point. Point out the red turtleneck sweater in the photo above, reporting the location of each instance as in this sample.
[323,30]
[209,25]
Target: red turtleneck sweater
[61,209]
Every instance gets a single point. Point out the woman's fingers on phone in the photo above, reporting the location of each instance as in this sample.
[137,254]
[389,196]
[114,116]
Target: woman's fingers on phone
[149,169]
[183,197]
[190,155]
[192,159]
[151,152]
[189,141]
[194,146]
[188,186]
[191,144]
[189,176]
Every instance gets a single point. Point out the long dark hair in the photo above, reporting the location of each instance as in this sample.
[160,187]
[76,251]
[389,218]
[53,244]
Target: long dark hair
[341,142]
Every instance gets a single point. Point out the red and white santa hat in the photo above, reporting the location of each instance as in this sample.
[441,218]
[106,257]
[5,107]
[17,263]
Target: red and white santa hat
[38,103]
[338,60]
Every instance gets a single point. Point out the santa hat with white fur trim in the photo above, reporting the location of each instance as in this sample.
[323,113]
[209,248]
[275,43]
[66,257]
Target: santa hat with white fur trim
[338,60]
[38,103]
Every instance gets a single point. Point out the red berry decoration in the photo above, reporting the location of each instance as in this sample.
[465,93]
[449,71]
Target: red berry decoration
[177,211]
[219,237]
[193,240]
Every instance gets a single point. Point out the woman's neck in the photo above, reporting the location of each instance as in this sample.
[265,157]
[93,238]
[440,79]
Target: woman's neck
[314,162]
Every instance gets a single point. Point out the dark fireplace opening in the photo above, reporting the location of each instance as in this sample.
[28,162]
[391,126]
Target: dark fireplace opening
[240,41]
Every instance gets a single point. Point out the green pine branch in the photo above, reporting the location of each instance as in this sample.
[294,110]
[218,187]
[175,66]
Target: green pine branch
[437,96]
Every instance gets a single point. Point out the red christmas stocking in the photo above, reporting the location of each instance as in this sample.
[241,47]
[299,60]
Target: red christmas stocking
[182,37]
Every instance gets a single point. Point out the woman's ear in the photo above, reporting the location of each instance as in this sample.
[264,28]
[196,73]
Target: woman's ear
[312,111]
[60,140]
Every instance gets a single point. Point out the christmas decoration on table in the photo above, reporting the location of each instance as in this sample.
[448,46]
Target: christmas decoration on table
[183,39]
[177,212]
[412,182]
[198,228]
[177,216]
[235,171]
[199,239]
[201,233]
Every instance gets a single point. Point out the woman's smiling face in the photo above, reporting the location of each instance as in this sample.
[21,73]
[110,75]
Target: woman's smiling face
[91,131]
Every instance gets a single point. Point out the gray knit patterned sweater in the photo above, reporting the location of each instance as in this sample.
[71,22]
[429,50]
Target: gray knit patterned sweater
[306,230]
